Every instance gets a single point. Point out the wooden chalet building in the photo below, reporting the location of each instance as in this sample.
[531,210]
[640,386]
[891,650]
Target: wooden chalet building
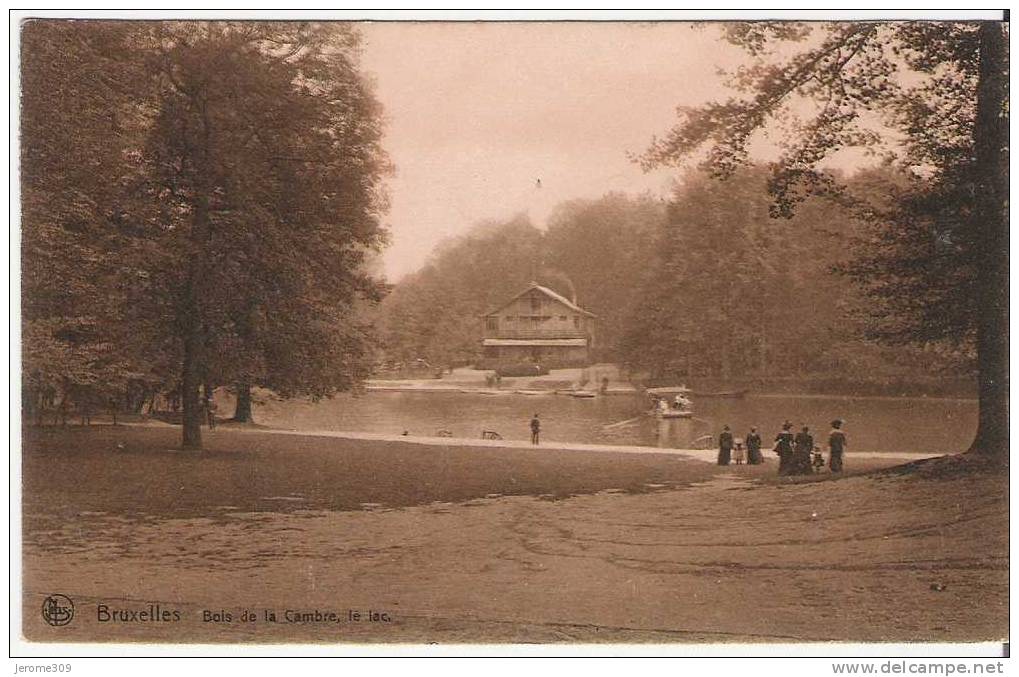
[538,326]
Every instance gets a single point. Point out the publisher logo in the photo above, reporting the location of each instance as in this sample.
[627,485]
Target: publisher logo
[57,610]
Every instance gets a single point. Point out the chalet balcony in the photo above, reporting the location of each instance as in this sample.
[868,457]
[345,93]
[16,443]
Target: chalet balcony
[549,333]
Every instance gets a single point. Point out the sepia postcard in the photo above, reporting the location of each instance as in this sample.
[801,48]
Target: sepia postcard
[501,332]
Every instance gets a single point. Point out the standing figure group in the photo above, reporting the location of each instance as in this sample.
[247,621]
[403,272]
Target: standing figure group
[750,448]
[797,454]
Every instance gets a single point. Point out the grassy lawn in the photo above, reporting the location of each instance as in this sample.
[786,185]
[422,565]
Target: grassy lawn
[134,470]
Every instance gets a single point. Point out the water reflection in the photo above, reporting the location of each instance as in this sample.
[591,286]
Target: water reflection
[681,433]
[873,424]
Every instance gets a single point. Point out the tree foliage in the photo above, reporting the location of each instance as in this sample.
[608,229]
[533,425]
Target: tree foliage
[435,313]
[732,292]
[220,203]
[937,255]
[603,248]
[80,123]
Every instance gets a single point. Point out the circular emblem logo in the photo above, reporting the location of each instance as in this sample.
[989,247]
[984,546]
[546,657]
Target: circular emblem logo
[57,610]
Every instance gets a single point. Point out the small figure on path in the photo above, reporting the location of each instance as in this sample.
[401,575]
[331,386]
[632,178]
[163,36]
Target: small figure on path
[535,429]
[836,446]
[739,453]
[754,447]
[724,446]
[801,454]
[784,448]
[817,461]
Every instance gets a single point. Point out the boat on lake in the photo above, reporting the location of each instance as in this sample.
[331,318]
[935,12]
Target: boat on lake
[665,391]
[672,413]
[670,402]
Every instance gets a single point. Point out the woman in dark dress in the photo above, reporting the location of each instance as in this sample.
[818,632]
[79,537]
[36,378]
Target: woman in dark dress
[754,447]
[784,449]
[804,445]
[725,446]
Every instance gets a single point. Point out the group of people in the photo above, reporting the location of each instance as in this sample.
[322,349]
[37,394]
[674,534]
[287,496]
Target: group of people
[732,449]
[797,454]
[679,403]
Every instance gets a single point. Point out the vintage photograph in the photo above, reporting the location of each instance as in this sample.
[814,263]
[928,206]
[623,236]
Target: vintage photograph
[513,332]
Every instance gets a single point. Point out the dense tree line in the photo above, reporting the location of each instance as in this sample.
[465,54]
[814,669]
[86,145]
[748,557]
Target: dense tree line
[434,314]
[592,250]
[707,284]
[734,292]
[199,201]
[936,268]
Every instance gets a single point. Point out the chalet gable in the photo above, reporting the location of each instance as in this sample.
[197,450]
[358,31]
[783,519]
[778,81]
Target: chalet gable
[535,288]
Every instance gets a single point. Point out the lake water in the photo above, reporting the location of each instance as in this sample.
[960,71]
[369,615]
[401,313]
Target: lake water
[872,424]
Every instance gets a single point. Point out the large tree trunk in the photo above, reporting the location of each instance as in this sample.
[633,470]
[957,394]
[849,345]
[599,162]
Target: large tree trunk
[190,381]
[194,336]
[194,367]
[242,414]
[991,224]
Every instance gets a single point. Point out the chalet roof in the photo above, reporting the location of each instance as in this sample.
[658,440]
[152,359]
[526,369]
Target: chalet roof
[547,292]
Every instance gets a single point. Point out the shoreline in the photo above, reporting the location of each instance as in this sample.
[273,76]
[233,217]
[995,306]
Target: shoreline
[412,386]
[415,387]
[703,455]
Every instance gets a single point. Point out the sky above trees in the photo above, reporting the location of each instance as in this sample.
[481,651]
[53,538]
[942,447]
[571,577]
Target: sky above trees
[477,113]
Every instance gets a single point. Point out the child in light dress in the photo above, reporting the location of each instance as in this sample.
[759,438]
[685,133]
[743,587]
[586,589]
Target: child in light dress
[739,454]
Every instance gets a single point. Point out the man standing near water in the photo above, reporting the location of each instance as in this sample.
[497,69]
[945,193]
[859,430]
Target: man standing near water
[836,446]
[535,429]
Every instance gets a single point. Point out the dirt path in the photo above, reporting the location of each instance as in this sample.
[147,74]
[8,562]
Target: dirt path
[885,558]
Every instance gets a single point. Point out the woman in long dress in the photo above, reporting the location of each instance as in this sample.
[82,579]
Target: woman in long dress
[753,441]
[725,446]
[804,442]
[784,449]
